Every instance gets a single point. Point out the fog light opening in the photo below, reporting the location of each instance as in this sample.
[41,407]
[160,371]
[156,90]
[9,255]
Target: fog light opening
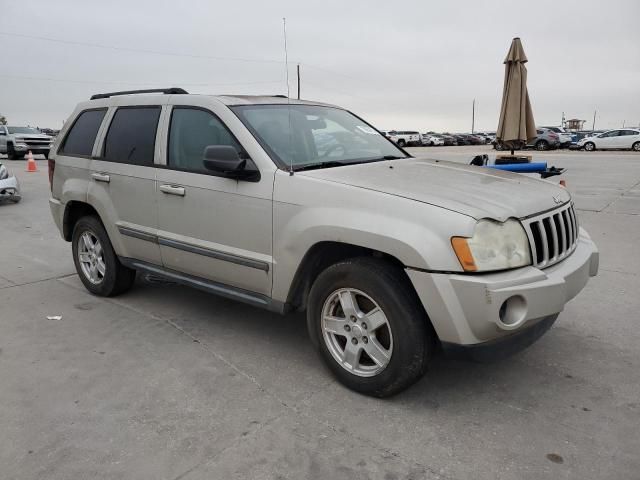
[512,311]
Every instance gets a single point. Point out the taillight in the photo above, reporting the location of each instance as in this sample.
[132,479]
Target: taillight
[52,167]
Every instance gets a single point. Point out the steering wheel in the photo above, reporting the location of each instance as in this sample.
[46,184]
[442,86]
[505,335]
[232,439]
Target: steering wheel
[332,148]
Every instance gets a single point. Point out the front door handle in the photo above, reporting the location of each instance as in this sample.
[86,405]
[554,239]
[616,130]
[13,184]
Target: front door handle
[172,190]
[101,177]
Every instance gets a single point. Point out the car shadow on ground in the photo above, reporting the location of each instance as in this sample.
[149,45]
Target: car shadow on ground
[276,351]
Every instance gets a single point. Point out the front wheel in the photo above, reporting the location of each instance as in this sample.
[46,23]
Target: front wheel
[369,327]
[636,147]
[402,143]
[589,146]
[11,153]
[96,262]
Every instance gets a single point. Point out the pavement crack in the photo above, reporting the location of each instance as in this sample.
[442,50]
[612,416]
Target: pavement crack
[34,282]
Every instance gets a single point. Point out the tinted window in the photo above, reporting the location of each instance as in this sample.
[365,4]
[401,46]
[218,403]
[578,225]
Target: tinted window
[82,135]
[132,136]
[191,131]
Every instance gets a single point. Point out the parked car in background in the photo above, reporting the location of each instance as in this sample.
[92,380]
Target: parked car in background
[448,140]
[621,139]
[473,139]
[564,136]
[487,137]
[405,138]
[431,140]
[545,140]
[462,139]
[17,141]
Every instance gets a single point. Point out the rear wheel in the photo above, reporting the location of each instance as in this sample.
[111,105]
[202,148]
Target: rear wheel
[542,145]
[96,262]
[636,147]
[498,146]
[401,143]
[589,146]
[369,326]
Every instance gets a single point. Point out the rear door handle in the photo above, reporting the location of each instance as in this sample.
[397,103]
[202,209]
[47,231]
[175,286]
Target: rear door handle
[172,190]
[101,177]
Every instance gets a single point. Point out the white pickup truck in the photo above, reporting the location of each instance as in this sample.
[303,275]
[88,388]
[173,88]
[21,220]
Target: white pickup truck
[404,138]
[15,142]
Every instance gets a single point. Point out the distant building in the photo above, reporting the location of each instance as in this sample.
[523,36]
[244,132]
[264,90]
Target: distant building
[574,124]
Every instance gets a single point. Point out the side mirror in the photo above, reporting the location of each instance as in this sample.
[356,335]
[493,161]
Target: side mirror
[225,160]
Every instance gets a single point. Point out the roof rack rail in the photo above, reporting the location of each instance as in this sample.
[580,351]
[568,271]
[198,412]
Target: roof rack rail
[166,91]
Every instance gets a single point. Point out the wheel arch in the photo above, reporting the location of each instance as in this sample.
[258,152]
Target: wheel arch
[319,257]
[74,211]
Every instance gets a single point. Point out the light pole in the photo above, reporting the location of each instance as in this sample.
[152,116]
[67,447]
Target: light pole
[473,115]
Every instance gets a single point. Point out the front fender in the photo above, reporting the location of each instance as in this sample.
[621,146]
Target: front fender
[416,234]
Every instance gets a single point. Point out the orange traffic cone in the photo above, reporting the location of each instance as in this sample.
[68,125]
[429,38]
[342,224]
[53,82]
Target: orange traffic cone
[31,163]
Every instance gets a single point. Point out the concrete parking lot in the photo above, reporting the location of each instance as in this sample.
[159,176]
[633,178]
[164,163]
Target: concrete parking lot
[166,382]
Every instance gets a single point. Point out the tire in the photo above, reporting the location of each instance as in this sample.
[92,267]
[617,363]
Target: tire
[542,145]
[11,153]
[589,146]
[636,147]
[402,143]
[115,277]
[404,333]
[499,147]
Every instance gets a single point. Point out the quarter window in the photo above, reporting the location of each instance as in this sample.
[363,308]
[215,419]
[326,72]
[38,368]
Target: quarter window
[191,131]
[132,136]
[82,136]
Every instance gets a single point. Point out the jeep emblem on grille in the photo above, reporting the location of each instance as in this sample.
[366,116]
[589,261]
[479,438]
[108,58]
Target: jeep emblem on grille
[557,199]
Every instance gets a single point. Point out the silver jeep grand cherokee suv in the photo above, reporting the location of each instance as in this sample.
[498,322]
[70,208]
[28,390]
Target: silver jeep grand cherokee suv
[299,205]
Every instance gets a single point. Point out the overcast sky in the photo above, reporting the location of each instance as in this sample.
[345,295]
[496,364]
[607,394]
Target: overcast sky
[400,65]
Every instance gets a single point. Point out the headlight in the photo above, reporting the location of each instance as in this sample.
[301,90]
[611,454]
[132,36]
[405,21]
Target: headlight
[493,246]
[3,172]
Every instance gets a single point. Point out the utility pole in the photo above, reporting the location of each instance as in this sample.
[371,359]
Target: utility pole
[623,122]
[562,122]
[473,115]
[298,70]
[593,128]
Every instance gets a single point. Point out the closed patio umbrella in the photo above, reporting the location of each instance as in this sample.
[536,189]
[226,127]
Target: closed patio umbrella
[516,126]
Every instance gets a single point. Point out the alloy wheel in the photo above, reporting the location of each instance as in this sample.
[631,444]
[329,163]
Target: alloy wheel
[91,257]
[356,332]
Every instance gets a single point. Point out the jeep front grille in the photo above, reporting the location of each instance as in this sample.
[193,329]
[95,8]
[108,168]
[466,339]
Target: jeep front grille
[553,236]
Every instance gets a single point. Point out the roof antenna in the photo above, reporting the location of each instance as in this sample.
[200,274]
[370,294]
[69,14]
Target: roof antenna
[286,66]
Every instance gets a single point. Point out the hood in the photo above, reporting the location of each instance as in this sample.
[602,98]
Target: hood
[475,191]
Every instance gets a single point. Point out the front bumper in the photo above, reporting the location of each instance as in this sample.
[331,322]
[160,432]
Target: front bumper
[10,189]
[23,148]
[474,309]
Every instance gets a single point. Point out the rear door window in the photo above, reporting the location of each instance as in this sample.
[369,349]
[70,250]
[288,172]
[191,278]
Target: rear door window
[132,136]
[82,135]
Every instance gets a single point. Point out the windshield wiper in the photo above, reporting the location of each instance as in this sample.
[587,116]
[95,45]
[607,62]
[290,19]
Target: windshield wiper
[327,164]
[337,163]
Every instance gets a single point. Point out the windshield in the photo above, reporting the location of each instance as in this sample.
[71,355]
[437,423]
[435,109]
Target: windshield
[23,130]
[322,136]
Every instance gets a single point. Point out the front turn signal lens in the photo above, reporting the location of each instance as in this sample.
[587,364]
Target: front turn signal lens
[463,252]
